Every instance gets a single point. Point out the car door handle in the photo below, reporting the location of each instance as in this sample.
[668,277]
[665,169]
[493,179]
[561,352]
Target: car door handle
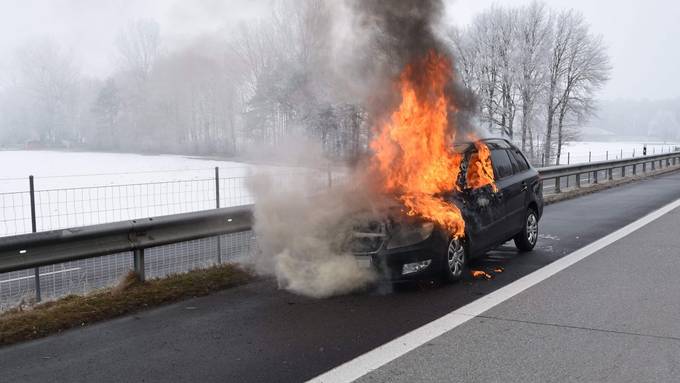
[524,186]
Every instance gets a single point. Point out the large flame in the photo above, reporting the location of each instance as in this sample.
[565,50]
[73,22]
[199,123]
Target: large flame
[414,151]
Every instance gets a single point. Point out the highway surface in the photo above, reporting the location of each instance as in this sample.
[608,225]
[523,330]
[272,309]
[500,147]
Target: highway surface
[257,333]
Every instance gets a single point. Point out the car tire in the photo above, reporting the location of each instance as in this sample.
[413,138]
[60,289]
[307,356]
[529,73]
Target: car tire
[455,260]
[527,238]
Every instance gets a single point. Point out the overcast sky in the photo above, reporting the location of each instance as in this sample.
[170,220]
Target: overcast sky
[641,36]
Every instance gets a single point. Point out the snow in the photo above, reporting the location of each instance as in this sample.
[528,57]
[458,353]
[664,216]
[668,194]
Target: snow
[80,188]
[578,152]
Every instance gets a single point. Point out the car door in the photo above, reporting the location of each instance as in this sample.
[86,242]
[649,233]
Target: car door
[479,209]
[517,192]
[508,196]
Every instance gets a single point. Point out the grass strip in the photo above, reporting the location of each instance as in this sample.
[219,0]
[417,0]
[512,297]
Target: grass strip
[129,296]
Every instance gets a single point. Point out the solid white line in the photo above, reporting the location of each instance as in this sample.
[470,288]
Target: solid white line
[390,351]
[42,275]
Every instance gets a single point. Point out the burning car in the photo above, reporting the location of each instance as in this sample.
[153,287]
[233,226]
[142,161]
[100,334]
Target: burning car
[407,246]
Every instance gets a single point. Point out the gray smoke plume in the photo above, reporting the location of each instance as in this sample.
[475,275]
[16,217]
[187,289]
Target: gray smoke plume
[302,227]
[400,33]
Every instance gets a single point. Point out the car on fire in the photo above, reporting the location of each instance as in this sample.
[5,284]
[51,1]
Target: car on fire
[410,248]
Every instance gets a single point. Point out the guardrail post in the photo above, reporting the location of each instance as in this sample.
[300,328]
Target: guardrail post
[578,180]
[595,177]
[34,228]
[558,189]
[138,262]
[653,165]
[644,167]
[610,174]
[217,206]
[623,171]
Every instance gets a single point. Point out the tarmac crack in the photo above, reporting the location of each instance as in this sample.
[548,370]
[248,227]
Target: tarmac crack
[584,328]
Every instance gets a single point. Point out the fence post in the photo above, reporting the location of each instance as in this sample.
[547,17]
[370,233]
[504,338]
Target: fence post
[34,228]
[568,158]
[138,262]
[217,206]
[543,159]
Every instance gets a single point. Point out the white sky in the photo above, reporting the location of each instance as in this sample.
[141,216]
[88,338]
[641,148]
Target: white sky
[642,36]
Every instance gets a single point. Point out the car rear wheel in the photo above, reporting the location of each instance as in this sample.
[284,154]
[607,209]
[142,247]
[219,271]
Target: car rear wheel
[527,238]
[456,260]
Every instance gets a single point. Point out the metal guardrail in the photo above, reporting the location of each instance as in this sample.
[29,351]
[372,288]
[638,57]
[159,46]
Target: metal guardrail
[562,171]
[34,250]
[50,247]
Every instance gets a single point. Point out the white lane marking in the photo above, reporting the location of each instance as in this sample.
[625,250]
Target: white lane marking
[390,351]
[42,275]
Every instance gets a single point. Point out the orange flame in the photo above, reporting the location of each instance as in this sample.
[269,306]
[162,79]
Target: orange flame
[480,274]
[480,170]
[413,150]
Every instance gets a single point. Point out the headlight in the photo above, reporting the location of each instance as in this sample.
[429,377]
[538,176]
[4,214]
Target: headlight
[410,234]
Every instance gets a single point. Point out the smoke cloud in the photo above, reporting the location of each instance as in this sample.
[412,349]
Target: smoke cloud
[395,34]
[303,228]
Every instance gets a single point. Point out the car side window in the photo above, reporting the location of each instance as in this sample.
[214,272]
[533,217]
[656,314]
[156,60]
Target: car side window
[520,160]
[501,163]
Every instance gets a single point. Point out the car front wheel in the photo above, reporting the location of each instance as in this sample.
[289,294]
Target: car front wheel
[526,239]
[456,260]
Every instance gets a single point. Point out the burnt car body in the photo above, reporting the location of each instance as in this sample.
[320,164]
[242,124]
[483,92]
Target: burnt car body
[409,248]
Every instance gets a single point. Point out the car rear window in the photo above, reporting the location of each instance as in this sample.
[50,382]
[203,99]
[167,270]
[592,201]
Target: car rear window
[501,163]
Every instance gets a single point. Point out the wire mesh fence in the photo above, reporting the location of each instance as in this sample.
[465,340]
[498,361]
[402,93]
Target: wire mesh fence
[85,276]
[60,208]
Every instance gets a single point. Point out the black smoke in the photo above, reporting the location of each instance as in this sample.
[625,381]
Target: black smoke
[401,33]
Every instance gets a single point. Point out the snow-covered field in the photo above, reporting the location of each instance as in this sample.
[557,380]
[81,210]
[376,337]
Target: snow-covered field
[77,188]
[578,152]
[80,188]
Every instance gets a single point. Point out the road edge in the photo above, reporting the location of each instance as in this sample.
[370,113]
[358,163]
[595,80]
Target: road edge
[380,356]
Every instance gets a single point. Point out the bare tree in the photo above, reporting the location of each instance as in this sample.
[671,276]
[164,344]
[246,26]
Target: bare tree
[587,71]
[533,28]
[139,46]
[47,83]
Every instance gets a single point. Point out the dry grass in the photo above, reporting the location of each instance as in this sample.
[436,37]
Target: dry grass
[129,296]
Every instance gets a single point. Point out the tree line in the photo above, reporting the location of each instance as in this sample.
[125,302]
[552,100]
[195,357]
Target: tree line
[535,73]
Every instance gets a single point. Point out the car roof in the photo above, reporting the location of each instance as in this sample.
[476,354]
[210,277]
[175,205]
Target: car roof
[492,143]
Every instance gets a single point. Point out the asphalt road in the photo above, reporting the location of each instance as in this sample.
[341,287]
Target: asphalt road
[612,317]
[257,333]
